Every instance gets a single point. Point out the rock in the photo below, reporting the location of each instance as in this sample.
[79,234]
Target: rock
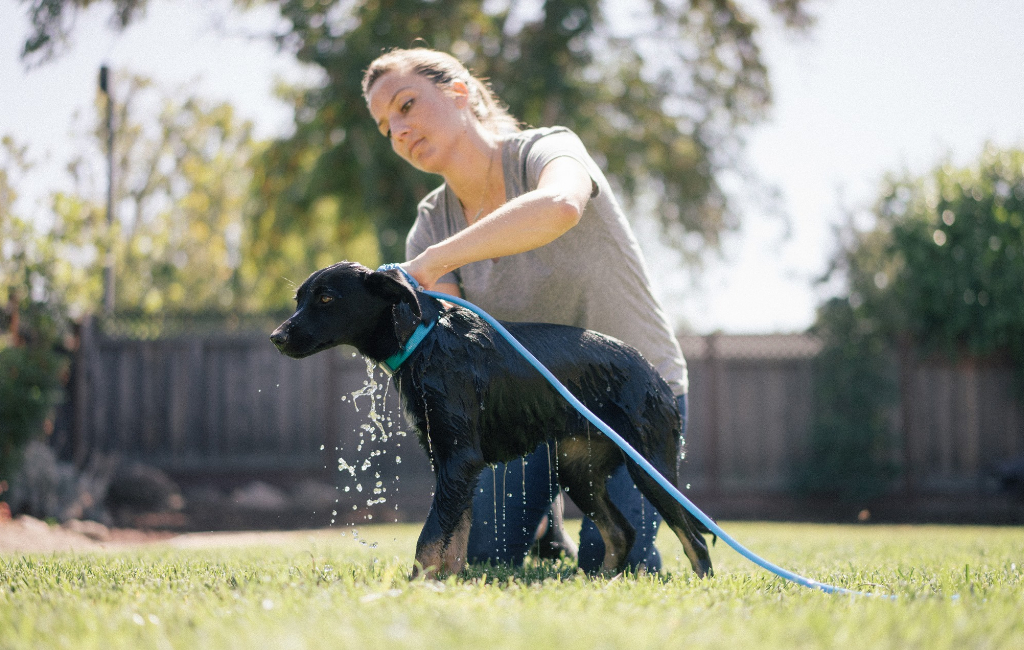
[141,488]
[31,524]
[260,496]
[311,494]
[91,529]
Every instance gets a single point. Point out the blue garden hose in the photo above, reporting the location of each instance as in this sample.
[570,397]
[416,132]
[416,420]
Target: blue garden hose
[632,453]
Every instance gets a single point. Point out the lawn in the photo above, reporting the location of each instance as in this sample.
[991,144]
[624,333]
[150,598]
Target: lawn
[956,587]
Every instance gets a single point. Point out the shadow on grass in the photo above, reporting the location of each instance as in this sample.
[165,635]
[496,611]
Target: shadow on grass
[535,571]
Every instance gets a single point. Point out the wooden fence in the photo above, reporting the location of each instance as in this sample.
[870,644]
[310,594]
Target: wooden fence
[217,406]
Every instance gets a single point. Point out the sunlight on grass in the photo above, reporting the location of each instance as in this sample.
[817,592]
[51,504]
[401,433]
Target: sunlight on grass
[956,587]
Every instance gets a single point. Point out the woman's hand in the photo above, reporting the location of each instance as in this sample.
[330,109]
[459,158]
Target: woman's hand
[421,269]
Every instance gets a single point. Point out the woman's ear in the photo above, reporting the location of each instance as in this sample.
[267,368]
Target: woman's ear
[460,93]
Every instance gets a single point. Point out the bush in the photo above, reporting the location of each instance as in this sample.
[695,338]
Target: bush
[855,392]
[32,373]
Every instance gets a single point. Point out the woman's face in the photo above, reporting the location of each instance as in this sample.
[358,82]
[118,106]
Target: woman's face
[421,120]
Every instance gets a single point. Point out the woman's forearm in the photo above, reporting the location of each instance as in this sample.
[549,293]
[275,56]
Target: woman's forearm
[527,222]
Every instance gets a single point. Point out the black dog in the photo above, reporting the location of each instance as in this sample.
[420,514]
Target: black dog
[473,400]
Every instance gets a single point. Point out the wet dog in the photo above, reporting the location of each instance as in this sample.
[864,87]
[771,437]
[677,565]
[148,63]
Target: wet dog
[473,400]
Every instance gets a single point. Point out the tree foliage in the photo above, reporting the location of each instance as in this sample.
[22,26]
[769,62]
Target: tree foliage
[943,264]
[182,182]
[52,22]
[183,190]
[182,177]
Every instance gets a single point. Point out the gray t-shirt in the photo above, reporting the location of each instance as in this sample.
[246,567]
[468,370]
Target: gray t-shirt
[593,276]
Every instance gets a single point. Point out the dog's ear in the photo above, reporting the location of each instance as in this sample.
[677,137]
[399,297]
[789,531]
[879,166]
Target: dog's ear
[405,310]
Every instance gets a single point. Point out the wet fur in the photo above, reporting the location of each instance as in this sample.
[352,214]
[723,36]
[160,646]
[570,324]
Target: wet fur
[473,400]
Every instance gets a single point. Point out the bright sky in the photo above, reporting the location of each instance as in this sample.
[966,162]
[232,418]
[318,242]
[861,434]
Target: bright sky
[880,85]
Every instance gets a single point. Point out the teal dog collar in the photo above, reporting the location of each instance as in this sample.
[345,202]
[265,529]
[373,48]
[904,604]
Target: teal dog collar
[392,363]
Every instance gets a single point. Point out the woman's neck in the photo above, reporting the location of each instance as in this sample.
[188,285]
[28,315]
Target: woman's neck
[477,177]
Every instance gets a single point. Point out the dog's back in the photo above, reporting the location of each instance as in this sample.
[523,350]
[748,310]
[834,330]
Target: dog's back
[493,391]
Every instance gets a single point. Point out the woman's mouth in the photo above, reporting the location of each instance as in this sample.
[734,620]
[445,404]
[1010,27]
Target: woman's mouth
[414,145]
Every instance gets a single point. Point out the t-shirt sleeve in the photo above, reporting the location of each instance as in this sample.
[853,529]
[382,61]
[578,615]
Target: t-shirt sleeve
[556,145]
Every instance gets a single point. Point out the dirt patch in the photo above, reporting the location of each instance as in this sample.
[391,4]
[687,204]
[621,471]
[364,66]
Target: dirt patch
[26,534]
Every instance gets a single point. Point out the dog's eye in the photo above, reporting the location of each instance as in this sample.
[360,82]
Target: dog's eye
[325,299]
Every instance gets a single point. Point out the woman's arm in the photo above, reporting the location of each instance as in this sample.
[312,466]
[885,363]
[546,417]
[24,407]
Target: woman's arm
[529,221]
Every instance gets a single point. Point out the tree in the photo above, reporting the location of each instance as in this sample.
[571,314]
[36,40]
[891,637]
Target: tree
[182,182]
[662,102]
[939,272]
[943,265]
[661,93]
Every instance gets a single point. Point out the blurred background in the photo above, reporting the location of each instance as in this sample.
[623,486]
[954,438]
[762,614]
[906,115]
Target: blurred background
[830,197]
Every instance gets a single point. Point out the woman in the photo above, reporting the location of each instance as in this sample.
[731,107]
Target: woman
[525,226]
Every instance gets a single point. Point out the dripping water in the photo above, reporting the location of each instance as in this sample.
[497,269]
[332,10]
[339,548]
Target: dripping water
[524,490]
[504,508]
[494,495]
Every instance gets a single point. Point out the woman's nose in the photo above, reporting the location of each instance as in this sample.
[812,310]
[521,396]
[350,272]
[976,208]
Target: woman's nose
[399,130]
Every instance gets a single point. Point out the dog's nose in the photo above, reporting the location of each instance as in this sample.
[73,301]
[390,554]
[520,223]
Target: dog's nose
[279,337]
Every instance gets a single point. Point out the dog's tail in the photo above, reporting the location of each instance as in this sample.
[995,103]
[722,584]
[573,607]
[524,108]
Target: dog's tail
[703,530]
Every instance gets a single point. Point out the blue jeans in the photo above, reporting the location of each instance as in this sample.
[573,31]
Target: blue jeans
[511,499]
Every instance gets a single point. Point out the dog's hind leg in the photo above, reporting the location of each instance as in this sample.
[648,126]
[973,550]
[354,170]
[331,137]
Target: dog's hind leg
[683,524]
[583,467]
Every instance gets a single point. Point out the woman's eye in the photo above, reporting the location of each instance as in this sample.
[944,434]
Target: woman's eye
[325,299]
[407,105]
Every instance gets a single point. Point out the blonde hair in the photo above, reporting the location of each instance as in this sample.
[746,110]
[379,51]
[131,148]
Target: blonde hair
[443,69]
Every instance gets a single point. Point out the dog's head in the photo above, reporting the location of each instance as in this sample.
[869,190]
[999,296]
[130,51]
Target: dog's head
[348,304]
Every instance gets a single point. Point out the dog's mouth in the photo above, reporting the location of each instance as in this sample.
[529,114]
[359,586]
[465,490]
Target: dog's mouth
[285,340]
[302,353]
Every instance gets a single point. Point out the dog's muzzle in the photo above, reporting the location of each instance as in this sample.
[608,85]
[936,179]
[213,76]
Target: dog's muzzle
[280,336]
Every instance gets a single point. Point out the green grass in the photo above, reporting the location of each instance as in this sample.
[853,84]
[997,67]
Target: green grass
[331,591]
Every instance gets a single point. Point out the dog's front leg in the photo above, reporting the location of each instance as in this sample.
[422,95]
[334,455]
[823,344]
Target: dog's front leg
[441,549]
[439,554]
